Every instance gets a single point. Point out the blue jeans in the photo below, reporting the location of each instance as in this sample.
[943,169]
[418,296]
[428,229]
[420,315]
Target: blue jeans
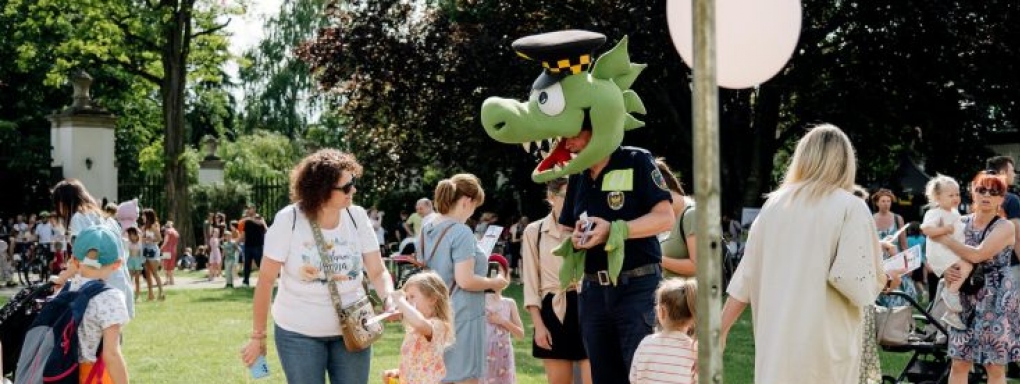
[251,253]
[614,320]
[307,360]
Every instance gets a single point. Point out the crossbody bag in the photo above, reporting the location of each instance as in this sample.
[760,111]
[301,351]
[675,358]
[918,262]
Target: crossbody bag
[358,334]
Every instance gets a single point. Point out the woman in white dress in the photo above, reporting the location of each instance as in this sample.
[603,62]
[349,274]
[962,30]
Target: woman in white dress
[811,264]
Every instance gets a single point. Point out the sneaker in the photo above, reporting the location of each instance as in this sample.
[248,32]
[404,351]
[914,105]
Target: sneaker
[952,301]
[953,320]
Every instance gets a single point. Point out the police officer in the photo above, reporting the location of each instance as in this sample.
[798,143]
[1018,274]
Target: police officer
[624,186]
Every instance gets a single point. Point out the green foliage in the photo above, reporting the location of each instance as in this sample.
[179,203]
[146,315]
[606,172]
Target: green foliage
[259,155]
[229,198]
[151,161]
[279,89]
[931,80]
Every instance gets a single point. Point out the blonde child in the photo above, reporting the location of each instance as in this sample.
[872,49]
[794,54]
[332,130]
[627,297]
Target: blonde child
[135,261]
[504,321]
[424,304]
[96,257]
[943,218]
[670,355]
[215,255]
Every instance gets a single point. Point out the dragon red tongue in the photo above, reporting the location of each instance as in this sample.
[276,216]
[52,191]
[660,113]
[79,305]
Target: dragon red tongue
[559,155]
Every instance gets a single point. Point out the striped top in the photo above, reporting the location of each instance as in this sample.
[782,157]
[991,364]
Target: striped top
[669,358]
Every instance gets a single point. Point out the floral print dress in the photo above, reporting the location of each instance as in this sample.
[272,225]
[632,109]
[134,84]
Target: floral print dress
[421,359]
[500,351]
[993,327]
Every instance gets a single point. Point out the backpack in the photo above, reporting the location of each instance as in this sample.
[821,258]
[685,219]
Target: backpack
[15,319]
[51,349]
[730,259]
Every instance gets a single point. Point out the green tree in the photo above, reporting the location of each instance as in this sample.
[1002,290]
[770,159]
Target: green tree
[279,90]
[410,78]
[163,42]
[261,155]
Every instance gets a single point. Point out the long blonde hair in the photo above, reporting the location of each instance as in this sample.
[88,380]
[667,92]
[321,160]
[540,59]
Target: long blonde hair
[433,287]
[824,161]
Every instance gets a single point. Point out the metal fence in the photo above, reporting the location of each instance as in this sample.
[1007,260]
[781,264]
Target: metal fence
[151,193]
[268,194]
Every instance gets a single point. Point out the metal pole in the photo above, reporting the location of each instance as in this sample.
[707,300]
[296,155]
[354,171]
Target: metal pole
[706,186]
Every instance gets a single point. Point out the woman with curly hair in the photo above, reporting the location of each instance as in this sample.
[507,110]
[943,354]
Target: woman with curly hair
[307,331]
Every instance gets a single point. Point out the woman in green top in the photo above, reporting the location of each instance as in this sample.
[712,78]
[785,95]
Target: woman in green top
[678,246]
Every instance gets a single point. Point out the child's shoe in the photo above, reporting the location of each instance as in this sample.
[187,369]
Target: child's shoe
[953,320]
[952,301]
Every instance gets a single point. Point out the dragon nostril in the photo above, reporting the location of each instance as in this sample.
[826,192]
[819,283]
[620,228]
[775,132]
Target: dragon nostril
[499,125]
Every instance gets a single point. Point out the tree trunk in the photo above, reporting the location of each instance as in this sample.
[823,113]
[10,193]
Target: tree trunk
[763,149]
[172,90]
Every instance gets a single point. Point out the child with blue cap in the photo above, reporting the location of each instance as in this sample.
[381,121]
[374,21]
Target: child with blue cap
[96,257]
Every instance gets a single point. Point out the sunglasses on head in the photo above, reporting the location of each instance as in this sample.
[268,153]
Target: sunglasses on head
[346,188]
[988,191]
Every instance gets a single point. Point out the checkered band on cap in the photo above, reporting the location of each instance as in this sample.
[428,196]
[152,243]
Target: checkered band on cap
[570,66]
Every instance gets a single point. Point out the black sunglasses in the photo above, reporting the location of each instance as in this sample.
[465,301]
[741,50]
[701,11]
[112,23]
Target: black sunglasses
[346,188]
[988,191]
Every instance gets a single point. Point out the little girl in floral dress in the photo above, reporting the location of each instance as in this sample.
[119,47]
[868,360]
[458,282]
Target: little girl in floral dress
[504,320]
[424,304]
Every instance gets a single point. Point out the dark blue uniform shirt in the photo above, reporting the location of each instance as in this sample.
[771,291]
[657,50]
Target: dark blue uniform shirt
[628,188]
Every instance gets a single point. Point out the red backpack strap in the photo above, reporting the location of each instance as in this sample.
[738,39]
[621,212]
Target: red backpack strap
[98,369]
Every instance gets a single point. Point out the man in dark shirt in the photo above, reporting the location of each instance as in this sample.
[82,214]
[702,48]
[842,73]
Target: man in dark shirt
[1003,165]
[624,186]
[254,237]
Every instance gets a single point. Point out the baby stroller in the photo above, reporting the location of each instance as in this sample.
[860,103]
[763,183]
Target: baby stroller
[16,317]
[926,340]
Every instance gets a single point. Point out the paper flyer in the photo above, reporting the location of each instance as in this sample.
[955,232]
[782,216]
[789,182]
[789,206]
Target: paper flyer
[907,261]
[488,242]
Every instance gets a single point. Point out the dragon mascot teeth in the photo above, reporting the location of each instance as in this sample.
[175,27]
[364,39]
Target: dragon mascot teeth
[567,98]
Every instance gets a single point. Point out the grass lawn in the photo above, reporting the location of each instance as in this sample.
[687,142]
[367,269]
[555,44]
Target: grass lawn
[195,336]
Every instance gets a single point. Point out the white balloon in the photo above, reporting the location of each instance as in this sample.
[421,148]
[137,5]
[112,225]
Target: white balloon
[754,38]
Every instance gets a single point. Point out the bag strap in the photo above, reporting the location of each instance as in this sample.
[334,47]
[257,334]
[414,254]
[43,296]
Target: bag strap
[683,235]
[538,253]
[421,242]
[334,292]
[987,227]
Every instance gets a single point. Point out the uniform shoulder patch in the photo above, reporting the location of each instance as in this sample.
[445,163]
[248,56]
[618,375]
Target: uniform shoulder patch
[659,180]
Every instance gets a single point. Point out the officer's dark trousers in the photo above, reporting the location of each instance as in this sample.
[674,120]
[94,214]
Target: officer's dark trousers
[251,254]
[614,320]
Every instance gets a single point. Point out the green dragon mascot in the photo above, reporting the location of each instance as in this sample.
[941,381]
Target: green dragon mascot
[615,196]
[567,98]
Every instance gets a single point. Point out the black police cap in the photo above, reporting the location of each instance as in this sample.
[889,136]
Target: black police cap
[561,53]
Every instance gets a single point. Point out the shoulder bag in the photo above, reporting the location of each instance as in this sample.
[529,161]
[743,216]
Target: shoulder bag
[358,334]
[973,283]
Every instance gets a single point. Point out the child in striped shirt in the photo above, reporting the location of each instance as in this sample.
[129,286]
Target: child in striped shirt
[670,355]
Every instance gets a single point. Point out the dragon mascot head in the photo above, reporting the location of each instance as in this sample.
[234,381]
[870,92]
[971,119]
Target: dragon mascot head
[572,94]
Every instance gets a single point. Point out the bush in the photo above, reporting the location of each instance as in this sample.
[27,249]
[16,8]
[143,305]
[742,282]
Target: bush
[227,198]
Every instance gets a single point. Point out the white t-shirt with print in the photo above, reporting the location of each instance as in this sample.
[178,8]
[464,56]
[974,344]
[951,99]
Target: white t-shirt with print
[103,311]
[302,303]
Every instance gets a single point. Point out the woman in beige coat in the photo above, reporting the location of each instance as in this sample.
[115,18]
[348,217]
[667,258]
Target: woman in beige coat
[811,264]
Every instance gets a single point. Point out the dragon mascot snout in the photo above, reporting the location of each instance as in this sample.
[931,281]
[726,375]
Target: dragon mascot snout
[567,98]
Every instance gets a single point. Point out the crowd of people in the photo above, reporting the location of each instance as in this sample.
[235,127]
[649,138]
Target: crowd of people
[610,287]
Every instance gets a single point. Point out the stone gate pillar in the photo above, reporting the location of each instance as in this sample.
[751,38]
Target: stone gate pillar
[83,141]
